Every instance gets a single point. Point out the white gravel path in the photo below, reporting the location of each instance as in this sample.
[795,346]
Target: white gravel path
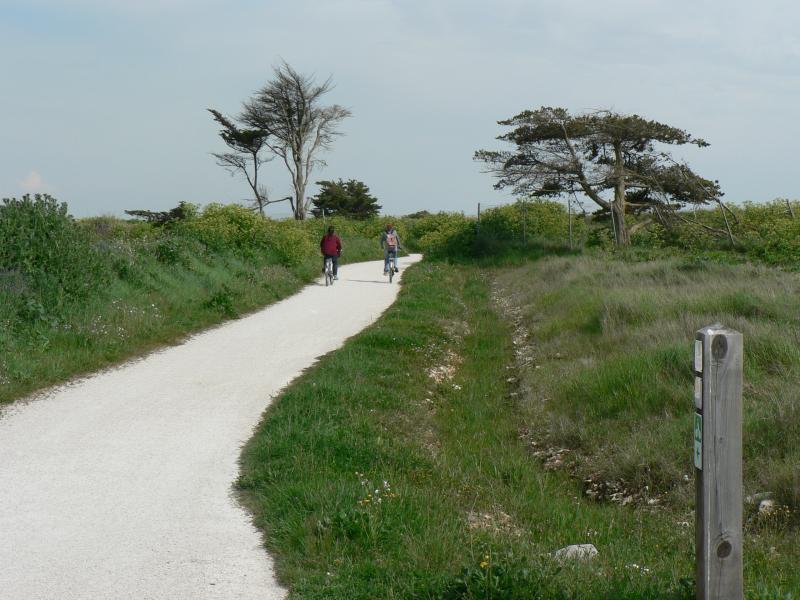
[119,486]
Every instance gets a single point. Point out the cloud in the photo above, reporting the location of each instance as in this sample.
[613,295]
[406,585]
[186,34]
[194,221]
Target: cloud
[34,184]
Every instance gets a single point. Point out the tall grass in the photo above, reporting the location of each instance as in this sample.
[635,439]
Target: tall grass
[610,376]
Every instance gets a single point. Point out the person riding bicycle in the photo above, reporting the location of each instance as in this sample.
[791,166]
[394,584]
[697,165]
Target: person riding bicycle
[390,242]
[331,247]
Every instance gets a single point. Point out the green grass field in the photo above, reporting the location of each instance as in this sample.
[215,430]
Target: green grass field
[403,466]
[515,402]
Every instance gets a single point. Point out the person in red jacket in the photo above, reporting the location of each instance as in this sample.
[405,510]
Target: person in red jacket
[331,247]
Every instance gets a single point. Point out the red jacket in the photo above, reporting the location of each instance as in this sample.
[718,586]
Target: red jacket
[331,245]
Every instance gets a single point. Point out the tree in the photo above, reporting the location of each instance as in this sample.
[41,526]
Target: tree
[295,126]
[183,212]
[246,155]
[345,198]
[597,153]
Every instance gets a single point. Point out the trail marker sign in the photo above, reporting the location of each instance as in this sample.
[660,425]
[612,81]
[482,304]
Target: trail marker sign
[718,463]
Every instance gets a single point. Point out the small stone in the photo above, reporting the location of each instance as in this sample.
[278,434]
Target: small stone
[576,552]
[766,507]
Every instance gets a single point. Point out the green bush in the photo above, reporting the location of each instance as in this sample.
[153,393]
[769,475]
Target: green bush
[455,235]
[42,243]
[766,232]
[542,219]
[290,241]
[228,228]
[443,235]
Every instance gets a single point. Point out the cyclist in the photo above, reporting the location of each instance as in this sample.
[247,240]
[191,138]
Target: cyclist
[331,247]
[390,242]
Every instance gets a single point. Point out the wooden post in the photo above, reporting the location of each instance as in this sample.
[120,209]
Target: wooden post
[479,218]
[718,463]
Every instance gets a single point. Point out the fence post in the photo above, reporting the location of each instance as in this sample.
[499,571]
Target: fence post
[479,219]
[718,463]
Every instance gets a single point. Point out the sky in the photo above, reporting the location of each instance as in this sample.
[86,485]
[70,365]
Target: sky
[103,102]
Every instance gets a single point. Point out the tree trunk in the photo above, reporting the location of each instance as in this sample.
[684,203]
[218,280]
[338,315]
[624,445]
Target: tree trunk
[300,207]
[618,206]
[300,191]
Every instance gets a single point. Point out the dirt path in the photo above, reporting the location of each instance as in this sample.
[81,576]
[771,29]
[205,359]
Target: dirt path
[119,486]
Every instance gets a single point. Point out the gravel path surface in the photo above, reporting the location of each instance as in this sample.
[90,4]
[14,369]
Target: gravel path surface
[119,486]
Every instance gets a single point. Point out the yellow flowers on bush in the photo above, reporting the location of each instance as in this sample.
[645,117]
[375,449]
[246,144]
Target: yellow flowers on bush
[234,227]
[230,227]
[290,241]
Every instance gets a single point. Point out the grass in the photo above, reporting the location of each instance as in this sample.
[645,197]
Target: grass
[127,319]
[399,467]
[150,304]
[448,450]
[609,378]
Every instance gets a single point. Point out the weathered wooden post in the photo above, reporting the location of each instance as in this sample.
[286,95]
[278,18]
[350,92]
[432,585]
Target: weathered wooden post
[718,463]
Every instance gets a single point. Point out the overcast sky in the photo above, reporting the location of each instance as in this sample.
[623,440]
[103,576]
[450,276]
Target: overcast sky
[103,103]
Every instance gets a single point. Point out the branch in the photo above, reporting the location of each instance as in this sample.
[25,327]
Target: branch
[720,232]
[640,225]
[587,189]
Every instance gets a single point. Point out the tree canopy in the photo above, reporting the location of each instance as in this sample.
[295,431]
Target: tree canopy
[615,160]
[345,198]
[295,124]
[245,157]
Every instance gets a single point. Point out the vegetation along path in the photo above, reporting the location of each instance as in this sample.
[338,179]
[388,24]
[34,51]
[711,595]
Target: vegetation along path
[119,486]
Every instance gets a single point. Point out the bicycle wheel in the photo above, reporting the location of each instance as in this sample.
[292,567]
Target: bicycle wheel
[391,272]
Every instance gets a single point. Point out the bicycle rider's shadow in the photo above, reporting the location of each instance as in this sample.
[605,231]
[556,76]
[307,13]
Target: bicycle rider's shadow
[382,282]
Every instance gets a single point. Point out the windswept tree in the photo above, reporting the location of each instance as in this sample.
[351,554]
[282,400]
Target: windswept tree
[247,154]
[345,198]
[295,126]
[615,160]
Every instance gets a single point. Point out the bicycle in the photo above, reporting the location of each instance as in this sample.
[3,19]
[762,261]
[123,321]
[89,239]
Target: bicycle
[328,271]
[390,261]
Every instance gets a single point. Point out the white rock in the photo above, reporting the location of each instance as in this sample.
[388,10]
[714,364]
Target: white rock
[576,552]
[766,507]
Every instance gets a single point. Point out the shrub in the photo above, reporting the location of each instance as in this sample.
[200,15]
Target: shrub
[41,242]
[290,242]
[542,219]
[230,227]
[443,234]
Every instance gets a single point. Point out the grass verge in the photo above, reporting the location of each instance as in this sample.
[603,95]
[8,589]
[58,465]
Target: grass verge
[398,467]
[159,304]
